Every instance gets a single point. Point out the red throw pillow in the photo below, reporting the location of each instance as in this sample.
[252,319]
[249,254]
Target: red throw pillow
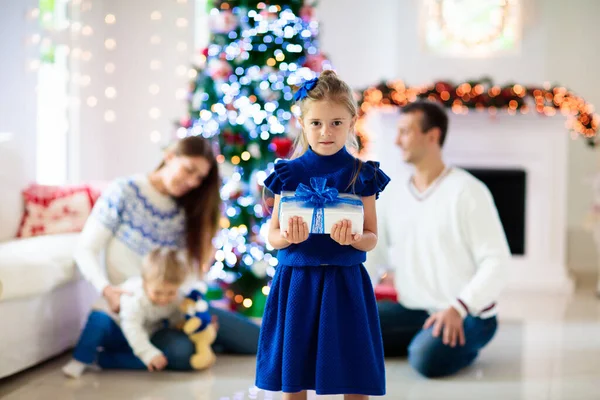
[55,209]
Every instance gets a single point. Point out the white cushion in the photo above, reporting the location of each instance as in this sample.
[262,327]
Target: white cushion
[33,266]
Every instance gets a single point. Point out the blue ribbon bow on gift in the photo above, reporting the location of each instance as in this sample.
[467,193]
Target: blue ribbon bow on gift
[317,196]
[307,86]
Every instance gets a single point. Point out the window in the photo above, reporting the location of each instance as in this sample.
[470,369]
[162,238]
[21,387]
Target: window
[52,138]
[471,28]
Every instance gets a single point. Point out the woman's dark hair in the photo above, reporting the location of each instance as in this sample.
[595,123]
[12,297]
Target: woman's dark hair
[201,204]
[434,116]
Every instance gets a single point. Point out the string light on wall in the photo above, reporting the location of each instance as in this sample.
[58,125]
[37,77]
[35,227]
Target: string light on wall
[87,31]
[154,89]
[76,53]
[155,136]
[92,101]
[156,16]
[85,80]
[155,65]
[110,44]
[110,116]
[154,113]
[34,13]
[110,92]
[75,27]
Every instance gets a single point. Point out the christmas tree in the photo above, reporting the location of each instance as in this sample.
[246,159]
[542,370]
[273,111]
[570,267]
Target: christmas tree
[242,99]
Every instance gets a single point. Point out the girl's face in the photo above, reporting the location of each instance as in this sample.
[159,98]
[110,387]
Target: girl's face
[327,126]
[183,173]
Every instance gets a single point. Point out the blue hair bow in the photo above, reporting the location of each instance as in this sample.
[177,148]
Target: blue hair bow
[307,86]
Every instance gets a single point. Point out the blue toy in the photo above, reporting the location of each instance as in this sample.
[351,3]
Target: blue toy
[199,327]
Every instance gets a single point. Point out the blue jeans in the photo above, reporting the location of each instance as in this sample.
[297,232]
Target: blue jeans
[237,335]
[103,341]
[403,334]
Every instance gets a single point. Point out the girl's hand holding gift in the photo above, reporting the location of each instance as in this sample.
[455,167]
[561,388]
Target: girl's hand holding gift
[297,231]
[341,232]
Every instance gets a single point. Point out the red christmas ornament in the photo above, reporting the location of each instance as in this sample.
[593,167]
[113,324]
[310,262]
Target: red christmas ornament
[307,13]
[282,146]
[229,137]
[315,62]
[186,122]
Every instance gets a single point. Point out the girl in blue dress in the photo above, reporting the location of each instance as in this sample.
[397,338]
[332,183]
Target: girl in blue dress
[320,329]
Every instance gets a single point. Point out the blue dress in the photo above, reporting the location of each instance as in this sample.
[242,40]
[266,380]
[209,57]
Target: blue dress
[320,329]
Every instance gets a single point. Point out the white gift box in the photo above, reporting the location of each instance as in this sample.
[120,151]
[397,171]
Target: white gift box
[324,217]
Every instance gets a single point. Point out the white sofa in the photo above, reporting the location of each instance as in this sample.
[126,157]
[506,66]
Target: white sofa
[43,299]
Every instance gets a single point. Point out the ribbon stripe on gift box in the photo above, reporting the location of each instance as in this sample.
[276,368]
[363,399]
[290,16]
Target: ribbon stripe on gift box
[320,207]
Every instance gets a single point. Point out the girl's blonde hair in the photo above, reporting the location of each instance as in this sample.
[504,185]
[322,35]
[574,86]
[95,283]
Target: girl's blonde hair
[165,265]
[329,88]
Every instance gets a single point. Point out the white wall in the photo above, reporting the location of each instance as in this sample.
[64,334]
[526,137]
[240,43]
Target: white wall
[371,41]
[367,42]
[111,149]
[17,83]
[17,112]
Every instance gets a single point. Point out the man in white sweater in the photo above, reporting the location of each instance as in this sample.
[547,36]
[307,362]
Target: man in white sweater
[441,233]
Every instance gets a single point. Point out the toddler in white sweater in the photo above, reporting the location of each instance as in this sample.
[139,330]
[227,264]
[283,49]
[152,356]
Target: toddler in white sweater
[123,340]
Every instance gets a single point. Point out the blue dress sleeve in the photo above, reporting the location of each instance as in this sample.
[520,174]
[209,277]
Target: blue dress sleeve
[276,182]
[371,180]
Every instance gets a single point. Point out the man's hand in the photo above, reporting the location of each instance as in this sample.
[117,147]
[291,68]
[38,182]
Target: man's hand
[113,297]
[451,323]
[158,363]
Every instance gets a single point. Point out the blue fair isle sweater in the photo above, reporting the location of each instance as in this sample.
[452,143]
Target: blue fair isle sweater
[339,170]
[130,218]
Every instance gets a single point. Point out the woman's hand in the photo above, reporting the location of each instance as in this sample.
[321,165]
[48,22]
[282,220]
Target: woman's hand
[112,294]
[297,231]
[341,232]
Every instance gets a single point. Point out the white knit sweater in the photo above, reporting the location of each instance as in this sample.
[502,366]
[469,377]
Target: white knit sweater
[447,244]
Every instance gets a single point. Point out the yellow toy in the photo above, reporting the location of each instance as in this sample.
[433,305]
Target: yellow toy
[199,327]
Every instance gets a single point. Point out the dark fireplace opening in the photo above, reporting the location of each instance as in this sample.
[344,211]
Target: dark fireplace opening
[508,190]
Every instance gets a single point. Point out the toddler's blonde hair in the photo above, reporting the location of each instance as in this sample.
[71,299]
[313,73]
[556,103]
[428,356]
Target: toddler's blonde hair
[165,265]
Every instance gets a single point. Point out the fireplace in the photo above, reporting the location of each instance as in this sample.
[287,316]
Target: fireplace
[508,190]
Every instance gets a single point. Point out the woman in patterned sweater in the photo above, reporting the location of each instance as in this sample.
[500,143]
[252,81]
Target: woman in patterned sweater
[175,206]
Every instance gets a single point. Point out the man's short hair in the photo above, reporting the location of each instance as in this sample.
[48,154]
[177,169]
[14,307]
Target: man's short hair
[434,116]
